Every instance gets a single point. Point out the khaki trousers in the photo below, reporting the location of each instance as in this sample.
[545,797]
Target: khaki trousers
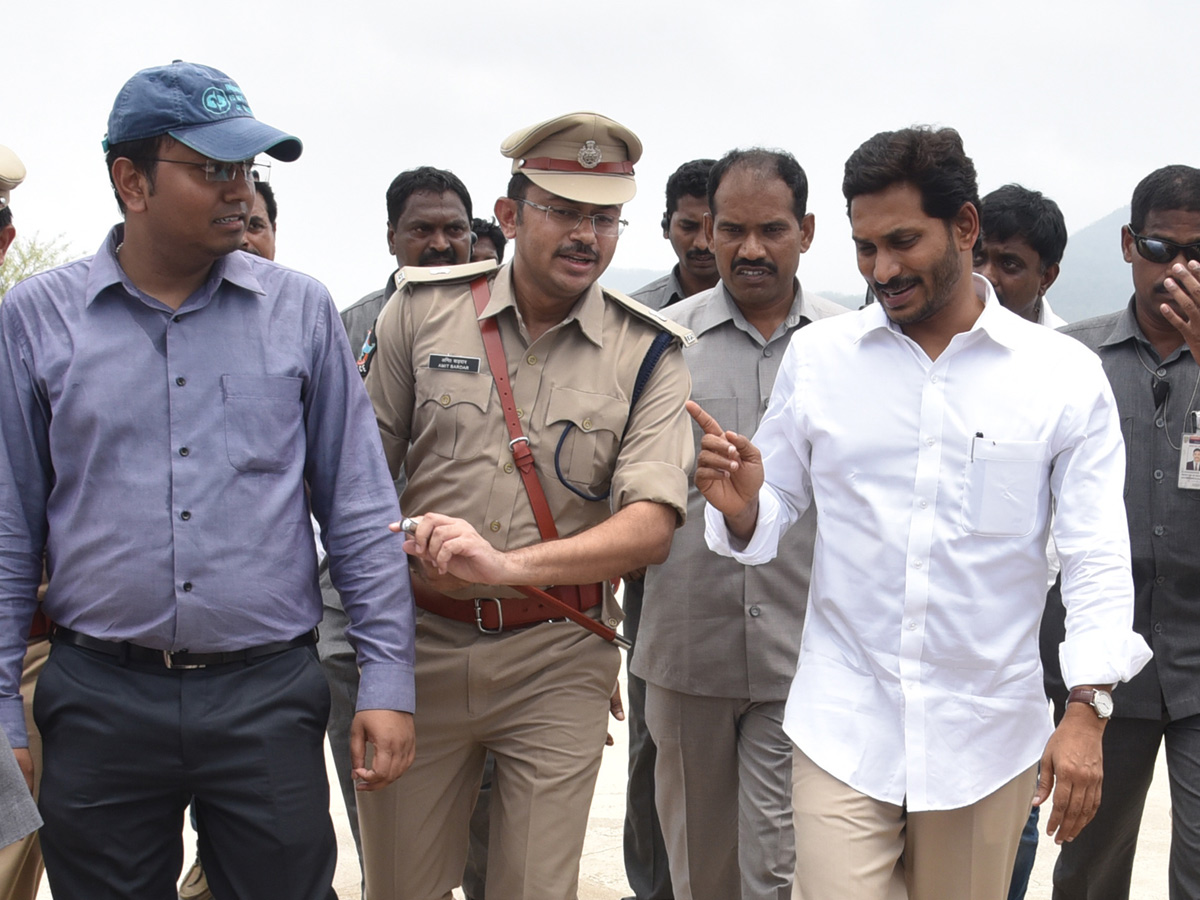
[21,863]
[851,845]
[537,698]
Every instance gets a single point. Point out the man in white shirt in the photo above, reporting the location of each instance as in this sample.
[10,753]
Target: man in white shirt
[1024,236]
[917,707]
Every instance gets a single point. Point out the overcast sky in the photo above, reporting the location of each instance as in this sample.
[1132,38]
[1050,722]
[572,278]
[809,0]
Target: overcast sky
[1077,99]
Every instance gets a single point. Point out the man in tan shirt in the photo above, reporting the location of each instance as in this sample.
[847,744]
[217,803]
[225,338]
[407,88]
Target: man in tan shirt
[496,671]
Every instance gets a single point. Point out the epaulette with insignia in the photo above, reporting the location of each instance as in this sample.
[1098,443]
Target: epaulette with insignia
[681,333]
[411,275]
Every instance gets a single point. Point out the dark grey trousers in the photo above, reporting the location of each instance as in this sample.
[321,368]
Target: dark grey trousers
[1098,865]
[127,746]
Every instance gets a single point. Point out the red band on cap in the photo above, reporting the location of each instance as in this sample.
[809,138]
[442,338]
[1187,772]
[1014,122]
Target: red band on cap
[569,165]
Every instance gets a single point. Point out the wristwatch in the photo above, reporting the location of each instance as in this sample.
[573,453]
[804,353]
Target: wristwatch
[1097,699]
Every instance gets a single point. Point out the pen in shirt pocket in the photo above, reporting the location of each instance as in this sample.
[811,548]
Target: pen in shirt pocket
[978,436]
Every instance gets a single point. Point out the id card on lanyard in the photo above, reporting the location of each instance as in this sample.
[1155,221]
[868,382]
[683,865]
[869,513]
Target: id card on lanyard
[1189,453]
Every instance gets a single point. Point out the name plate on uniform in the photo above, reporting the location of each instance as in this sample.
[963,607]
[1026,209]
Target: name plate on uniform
[454,363]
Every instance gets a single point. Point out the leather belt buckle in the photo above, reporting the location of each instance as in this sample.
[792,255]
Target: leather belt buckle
[171,664]
[479,601]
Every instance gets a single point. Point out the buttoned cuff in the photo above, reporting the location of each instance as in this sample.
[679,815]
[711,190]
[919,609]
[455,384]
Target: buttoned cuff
[1102,657]
[387,686]
[12,720]
[763,544]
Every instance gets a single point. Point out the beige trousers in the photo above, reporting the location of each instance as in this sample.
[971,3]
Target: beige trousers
[851,845]
[538,699]
[21,863]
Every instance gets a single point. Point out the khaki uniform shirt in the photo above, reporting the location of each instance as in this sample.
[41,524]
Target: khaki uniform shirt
[711,626]
[440,416]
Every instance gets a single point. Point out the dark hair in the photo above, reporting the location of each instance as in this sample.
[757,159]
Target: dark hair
[491,230]
[5,216]
[1171,187]
[268,194]
[142,153]
[931,160]
[777,162]
[424,178]
[518,187]
[689,180]
[1015,211]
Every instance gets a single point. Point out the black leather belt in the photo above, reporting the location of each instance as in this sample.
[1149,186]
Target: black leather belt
[177,659]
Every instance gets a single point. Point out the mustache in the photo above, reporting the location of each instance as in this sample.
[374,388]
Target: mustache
[699,254]
[578,249]
[741,261]
[899,283]
[432,256]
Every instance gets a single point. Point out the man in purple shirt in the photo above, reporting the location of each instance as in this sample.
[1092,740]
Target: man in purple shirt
[170,411]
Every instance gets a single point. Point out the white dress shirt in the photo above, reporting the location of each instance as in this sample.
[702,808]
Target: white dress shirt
[919,680]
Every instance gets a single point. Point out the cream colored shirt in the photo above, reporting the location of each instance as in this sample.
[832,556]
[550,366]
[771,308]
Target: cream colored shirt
[440,417]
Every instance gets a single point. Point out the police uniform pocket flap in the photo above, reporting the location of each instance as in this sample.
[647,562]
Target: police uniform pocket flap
[455,403]
[586,431]
[449,387]
[587,411]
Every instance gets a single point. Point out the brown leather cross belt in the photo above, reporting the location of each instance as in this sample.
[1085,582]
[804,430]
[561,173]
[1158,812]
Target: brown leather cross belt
[496,614]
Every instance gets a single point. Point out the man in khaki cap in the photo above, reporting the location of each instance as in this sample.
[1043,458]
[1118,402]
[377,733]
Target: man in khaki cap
[12,173]
[495,670]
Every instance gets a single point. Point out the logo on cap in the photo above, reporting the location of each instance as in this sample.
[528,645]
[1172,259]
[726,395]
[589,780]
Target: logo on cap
[215,101]
[589,155]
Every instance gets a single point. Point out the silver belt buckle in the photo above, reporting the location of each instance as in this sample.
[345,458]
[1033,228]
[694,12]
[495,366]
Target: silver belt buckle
[479,615]
[171,664]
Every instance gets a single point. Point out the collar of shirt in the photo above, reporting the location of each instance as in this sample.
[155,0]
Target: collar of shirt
[1127,329]
[995,322]
[588,311]
[106,271]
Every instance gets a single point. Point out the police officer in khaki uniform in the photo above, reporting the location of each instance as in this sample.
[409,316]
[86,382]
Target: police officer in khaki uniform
[494,669]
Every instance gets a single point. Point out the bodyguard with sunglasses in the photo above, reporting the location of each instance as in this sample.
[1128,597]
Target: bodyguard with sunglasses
[170,411]
[1149,351]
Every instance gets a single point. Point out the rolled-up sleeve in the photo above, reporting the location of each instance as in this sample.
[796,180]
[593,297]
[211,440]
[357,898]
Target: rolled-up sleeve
[1091,534]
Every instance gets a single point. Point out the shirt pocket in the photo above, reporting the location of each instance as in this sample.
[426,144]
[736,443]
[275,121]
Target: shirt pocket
[264,421]
[456,404]
[585,430]
[1003,483]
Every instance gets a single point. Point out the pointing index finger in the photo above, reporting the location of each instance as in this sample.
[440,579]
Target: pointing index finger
[707,423]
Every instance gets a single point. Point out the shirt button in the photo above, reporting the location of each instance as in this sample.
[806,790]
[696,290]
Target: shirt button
[176,318]
[185,515]
[181,381]
[444,400]
[495,526]
[1160,422]
[1158,474]
[184,451]
[187,585]
[766,403]
[612,623]
[531,359]
[768,352]
[587,424]
[508,467]
[930,442]
[1161,372]
[755,612]
[917,564]
[924,503]
[1158,627]
[912,626]
[520,413]
[933,378]
[1159,580]
[1159,530]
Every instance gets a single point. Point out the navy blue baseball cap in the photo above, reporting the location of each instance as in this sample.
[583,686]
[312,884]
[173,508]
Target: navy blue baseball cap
[198,106]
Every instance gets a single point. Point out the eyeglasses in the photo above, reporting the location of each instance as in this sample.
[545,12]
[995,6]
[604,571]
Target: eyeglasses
[568,219]
[217,171]
[1156,250]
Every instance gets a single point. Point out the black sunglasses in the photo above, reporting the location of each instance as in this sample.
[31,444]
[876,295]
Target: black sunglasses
[1156,250]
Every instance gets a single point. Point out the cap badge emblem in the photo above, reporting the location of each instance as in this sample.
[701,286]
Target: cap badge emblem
[589,155]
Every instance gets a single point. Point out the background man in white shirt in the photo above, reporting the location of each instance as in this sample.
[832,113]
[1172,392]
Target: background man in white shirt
[917,707]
